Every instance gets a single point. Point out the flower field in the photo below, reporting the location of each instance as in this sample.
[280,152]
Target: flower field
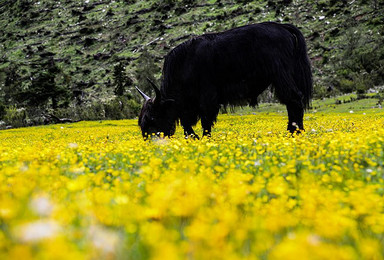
[96,190]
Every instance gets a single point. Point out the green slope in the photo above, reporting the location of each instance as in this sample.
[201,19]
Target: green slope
[88,39]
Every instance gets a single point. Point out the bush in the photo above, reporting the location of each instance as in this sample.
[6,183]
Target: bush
[359,83]
[15,117]
[121,108]
[321,91]
[346,86]
[90,111]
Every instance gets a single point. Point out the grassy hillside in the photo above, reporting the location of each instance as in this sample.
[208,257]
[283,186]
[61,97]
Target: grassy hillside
[94,50]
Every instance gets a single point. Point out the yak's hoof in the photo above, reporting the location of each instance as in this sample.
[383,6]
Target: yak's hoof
[207,135]
[296,131]
[192,136]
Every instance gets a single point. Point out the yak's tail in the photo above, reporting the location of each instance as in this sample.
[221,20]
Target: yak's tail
[303,72]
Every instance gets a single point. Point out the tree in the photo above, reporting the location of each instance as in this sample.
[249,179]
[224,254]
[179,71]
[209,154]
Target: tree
[44,89]
[12,83]
[120,79]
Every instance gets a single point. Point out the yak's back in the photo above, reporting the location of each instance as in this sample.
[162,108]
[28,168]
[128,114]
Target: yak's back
[226,58]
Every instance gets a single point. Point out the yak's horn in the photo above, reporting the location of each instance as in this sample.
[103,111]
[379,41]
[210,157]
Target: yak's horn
[157,91]
[142,94]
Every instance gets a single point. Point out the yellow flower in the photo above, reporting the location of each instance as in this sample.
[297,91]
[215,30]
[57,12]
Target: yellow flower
[250,191]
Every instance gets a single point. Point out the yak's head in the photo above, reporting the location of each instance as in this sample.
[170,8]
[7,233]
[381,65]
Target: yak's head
[157,115]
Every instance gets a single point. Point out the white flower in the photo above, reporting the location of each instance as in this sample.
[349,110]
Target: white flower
[257,163]
[38,230]
[291,235]
[42,206]
[313,240]
[104,239]
[73,145]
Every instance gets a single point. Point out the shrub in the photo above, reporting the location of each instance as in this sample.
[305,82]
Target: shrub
[346,85]
[121,108]
[15,117]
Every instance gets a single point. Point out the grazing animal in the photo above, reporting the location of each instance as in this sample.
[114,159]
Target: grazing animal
[229,68]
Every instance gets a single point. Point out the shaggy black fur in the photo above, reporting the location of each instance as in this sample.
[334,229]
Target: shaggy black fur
[230,68]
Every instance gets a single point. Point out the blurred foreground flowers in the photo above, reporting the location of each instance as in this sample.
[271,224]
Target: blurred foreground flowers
[96,190]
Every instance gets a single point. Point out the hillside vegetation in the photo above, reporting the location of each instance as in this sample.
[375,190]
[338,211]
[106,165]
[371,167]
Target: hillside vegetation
[82,59]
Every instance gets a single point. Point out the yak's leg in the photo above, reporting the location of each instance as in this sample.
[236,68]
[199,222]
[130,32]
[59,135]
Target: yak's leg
[207,127]
[187,120]
[295,117]
[208,118]
[189,133]
[289,95]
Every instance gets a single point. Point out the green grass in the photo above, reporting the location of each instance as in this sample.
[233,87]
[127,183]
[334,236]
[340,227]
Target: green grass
[341,104]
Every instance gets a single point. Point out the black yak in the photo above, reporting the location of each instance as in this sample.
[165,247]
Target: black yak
[229,68]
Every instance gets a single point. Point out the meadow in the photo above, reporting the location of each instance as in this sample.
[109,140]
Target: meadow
[96,190]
